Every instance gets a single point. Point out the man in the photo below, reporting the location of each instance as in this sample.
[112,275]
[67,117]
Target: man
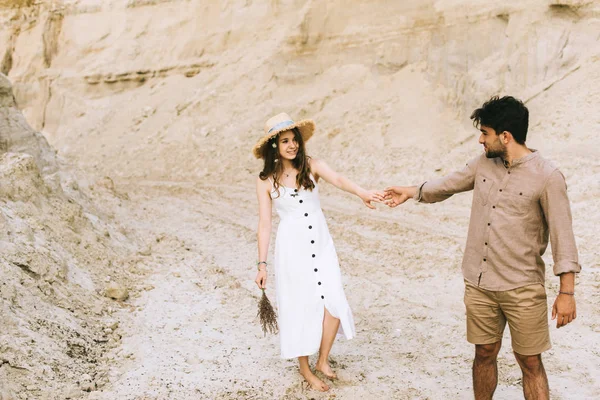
[520,199]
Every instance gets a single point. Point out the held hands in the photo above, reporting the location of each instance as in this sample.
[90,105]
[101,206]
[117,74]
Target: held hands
[396,195]
[564,309]
[368,196]
[392,196]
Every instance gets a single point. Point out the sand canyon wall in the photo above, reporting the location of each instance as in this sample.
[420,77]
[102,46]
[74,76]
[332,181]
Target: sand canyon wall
[179,90]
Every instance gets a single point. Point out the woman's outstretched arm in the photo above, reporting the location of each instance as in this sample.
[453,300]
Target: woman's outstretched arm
[320,169]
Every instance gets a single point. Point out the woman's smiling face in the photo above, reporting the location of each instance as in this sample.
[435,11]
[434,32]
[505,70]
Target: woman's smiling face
[288,146]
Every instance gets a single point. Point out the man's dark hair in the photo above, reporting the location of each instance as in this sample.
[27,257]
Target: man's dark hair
[504,114]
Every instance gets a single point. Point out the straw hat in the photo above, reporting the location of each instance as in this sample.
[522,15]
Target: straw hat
[280,123]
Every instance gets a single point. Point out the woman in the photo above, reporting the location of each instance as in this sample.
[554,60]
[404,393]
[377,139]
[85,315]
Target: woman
[310,297]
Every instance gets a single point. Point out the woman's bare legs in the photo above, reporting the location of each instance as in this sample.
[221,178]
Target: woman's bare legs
[311,378]
[330,328]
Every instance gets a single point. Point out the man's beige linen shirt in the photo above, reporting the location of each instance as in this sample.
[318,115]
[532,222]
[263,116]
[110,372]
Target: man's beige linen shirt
[515,209]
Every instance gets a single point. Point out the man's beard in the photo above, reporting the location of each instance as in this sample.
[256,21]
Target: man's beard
[499,151]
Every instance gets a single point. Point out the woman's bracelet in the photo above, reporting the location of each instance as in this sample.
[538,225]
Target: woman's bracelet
[569,293]
[261,262]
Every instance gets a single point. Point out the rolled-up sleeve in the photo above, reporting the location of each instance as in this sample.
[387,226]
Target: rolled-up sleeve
[557,211]
[442,188]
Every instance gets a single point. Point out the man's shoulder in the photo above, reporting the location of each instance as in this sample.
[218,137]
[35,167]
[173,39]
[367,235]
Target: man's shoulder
[481,161]
[473,162]
[544,166]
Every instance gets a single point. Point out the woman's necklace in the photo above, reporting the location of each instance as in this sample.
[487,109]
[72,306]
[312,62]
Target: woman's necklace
[286,174]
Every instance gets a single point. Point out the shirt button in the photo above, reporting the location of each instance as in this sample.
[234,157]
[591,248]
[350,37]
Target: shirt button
[312,242]
[310,227]
[306,214]
[296,190]
[316,270]
[301,201]
[319,283]
[314,256]
[322,297]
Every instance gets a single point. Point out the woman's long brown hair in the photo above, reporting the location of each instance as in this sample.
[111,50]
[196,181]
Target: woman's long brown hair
[275,169]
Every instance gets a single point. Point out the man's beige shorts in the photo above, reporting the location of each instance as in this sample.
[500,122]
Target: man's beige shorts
[525,309]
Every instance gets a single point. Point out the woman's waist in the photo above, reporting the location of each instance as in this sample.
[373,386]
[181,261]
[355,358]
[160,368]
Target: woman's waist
[300,215]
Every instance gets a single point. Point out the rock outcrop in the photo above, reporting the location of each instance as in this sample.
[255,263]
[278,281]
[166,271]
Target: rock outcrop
[56,250]
[16,136]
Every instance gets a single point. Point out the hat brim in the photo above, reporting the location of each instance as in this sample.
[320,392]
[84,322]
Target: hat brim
[306,128]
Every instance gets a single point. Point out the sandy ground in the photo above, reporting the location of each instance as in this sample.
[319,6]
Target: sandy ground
[193,333]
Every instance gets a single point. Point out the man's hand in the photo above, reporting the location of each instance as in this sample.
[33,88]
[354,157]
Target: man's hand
[396,195]
[564,309]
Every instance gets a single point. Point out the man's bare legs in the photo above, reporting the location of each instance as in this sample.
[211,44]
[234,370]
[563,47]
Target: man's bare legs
[485,370]
[311,378]
[330,328]
[535,381]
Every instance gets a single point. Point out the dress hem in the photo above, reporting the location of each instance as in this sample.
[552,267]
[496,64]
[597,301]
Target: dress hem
[311,353]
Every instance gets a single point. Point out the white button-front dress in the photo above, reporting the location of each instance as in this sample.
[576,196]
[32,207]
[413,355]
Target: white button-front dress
[307,273]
